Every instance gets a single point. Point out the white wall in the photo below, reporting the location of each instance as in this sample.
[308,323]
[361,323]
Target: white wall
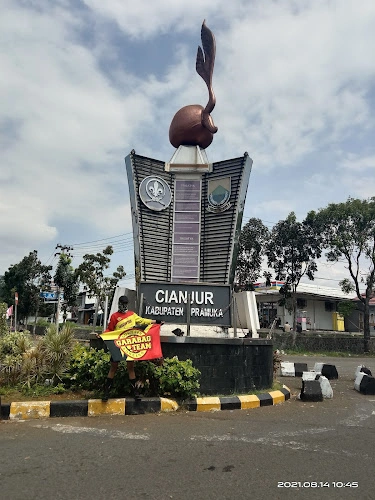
[246,312]
[315,311]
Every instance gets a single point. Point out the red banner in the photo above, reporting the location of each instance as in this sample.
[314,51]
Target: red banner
[134,344]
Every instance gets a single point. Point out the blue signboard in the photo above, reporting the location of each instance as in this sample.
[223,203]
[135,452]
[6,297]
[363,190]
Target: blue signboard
[51,296]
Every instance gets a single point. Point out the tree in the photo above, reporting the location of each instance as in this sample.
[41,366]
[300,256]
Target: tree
[348,230]
[91,273]
[291,252]
[345,308]
[27,277]
[67,280]
[252,241]
[2,285]
[3,322]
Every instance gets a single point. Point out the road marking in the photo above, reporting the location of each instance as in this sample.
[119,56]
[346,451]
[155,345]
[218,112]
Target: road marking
[273,439]
[356,420]
[70,429]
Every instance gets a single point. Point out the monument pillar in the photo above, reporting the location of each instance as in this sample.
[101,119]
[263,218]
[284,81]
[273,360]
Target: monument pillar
[187,216]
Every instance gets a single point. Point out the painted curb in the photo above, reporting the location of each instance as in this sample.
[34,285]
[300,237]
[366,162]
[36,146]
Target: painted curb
[122,406]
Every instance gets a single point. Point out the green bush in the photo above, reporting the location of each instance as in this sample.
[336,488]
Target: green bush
[88,370]
[3,322]
[23,361]
[57,348]
[72,324]
[13,346]
[177,378]
[43,323]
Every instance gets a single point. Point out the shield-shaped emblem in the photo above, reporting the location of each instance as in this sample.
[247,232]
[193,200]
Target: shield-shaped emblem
[218,194]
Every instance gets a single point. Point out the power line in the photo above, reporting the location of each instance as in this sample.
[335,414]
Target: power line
[100,245]
[120,246]
[49,258]
[102,239]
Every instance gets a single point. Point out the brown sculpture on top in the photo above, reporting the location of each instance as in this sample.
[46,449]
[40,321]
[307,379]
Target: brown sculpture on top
[193,125]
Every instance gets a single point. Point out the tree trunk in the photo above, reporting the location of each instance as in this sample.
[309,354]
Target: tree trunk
[366,326]
[36,315]
[294,329]
[95,314]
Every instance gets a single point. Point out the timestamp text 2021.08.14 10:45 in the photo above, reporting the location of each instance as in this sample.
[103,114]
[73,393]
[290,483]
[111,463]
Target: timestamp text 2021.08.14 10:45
[317,484]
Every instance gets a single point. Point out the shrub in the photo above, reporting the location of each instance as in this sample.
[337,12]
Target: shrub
[177,378]
[88,369]
[43,323]
[3,322]
[57,348]
[33,367]
[13,346]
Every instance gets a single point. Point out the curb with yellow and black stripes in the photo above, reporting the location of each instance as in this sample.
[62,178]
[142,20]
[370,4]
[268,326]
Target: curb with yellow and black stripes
[122,406]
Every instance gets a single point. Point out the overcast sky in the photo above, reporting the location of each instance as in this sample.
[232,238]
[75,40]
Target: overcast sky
[83,82]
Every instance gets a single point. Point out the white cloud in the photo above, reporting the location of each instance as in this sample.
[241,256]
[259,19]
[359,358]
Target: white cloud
[298,82]
[357,163]
[143,19]
[292,78]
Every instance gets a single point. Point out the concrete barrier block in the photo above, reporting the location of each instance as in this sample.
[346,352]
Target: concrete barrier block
[358,380]
[299,368]
[318,367]
[325,387]
[365,384]
[311,391]
[364,369]
[287,369]
[309,375]
[330,372]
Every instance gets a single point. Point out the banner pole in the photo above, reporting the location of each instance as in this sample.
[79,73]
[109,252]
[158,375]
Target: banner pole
[188,310]
[15,310]
[140,310]
[105,318]
[234,315]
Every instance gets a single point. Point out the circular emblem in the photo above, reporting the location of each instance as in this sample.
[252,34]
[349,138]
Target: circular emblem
[155,193]
[134,343]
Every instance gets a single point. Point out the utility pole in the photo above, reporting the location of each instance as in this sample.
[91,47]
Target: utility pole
[15,310]
[64,250]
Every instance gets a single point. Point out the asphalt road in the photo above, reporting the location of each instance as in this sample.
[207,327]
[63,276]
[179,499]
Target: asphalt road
[293,450]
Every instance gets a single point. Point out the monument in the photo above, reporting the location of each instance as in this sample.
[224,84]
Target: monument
[186,216]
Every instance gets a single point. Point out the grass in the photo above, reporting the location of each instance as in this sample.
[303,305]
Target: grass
[276,386]
[42,393]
